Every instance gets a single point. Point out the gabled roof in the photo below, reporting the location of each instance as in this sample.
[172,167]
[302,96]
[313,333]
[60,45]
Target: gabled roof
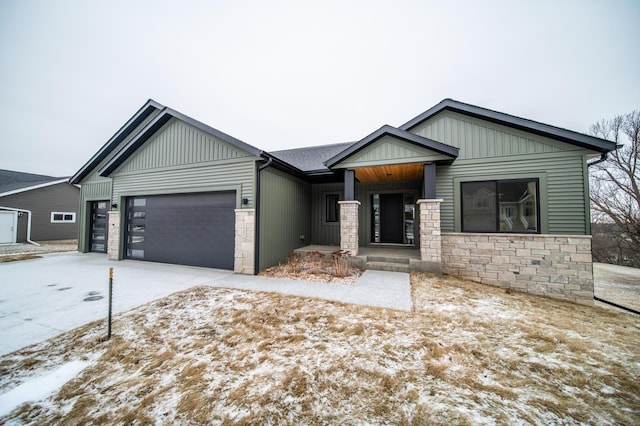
[160,120]
[311,159]
[568,136]
[387,130]
[12,182]
[147,109]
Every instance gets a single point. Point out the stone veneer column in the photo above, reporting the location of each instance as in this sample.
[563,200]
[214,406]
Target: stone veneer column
[245,237]
[349,226]
[430,237]
[113,242]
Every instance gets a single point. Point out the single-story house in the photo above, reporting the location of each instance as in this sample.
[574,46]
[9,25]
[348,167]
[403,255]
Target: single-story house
[37,208]
[458,189]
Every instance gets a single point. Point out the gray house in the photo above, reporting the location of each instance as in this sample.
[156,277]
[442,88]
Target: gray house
[458,189]
[37,208]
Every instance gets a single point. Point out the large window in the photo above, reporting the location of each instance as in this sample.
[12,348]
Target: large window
[500,206]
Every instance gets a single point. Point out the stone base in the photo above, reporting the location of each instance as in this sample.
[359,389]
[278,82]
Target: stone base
[349,226]
[558,266]
[113,241]
[245,232]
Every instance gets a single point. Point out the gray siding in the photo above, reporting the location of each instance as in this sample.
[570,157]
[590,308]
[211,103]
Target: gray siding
[323,232]
[62,197]
[285,203]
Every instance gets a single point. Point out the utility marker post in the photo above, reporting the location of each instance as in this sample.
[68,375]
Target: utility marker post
[110,297]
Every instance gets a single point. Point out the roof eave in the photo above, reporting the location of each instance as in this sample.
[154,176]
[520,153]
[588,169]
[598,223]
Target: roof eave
[385,130]
[152,127]
[31,188]
[564,135]
[118,137]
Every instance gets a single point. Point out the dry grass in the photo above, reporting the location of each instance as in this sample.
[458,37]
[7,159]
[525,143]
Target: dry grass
[16,257]
[468,354]
[315,266]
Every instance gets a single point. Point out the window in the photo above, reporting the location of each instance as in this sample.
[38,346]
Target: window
[332,208]
[500,206]
[63,217]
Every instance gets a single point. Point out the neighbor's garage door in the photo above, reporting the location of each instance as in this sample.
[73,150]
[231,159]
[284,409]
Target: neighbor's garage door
[185,229]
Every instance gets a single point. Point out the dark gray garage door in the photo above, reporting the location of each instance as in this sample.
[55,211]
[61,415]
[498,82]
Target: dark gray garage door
[185,229]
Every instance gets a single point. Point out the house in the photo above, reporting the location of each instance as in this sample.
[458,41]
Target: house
[37,208]
[468,191]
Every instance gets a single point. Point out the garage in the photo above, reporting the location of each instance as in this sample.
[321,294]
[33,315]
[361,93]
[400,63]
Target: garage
[187,229]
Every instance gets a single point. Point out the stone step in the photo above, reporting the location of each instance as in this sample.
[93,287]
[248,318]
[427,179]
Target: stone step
[386,259]
[387,266]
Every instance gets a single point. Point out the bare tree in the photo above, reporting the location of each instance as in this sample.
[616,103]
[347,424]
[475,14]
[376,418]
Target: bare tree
[615,191]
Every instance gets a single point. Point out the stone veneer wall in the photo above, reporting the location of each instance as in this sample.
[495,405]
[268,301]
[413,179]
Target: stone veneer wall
[558,266]
[349,226]
[430,236]
[245,238]
[113,239]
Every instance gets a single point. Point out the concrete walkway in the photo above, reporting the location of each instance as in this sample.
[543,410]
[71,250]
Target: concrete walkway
[40,298]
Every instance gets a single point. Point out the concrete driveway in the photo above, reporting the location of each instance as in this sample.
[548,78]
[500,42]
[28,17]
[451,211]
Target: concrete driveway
[618,284]
[41,298]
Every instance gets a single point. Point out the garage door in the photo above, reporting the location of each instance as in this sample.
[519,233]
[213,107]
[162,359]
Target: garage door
[185,229]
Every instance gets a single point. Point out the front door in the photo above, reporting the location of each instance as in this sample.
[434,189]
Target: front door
[98,226]
[391,218]
[7,227]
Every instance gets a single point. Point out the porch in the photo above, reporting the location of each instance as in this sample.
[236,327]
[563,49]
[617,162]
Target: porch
[384,258]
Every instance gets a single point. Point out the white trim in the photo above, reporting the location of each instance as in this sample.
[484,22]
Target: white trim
[30,188]
[30,216]
[63,220]
[14,226]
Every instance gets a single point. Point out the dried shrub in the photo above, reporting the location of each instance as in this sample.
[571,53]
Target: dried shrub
[315,262]
[294,262]
[341,263]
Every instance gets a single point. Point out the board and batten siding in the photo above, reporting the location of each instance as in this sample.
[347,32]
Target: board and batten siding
[178,143]
[490,151]
[323,232]
[285,203]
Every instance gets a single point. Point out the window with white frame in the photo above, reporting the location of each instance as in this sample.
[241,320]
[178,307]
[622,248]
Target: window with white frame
[63,217]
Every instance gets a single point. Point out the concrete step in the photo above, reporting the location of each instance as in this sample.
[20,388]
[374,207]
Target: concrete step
[387,259]
[387,266]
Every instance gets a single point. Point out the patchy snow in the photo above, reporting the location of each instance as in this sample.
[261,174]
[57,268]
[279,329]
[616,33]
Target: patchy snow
[38,388]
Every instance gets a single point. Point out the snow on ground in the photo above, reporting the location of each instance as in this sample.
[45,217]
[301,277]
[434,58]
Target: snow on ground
[215,356]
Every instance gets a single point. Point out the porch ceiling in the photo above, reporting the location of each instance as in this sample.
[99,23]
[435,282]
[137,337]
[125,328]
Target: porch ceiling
[389,173]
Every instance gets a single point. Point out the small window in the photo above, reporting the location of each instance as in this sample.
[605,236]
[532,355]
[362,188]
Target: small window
[500,206]
[63,217]
[333,209]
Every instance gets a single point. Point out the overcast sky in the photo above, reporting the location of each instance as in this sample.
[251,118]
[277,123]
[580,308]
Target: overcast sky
[285,74]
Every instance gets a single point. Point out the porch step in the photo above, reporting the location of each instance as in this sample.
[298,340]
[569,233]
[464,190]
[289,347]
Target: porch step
[392,264]
[387,266]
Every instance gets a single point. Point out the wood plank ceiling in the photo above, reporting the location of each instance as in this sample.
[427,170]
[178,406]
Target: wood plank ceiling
[389,173]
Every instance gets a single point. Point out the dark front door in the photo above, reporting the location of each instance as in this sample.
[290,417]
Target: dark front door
[185,229]
[98,226]
[391,218]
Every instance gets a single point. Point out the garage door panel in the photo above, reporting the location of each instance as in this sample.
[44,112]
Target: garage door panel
[186,229]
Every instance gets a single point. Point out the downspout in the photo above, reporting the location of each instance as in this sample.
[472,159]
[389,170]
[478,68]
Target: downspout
[602,158]
[256,268]
[30,215]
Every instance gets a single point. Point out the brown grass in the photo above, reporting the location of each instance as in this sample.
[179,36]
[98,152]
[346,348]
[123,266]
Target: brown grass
[468,354]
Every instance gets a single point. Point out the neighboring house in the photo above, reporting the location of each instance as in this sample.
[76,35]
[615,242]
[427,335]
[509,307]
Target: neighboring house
[37,208]
[481,194]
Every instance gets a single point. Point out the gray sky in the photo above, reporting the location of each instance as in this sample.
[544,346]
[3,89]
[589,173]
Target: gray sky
[285,74]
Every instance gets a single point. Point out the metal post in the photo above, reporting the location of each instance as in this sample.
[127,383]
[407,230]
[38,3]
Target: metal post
[110,297]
